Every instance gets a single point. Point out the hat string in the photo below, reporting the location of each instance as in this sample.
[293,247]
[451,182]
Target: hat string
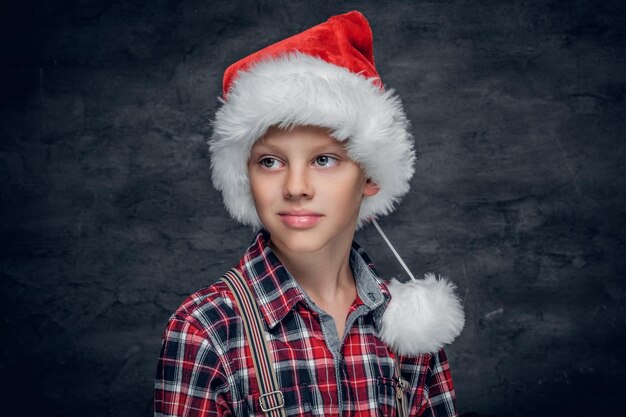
[406,268]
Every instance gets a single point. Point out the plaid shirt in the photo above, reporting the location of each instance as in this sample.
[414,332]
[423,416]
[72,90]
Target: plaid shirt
[205,367]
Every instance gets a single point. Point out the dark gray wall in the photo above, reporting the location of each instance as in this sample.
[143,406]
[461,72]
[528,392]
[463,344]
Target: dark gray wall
[108,218]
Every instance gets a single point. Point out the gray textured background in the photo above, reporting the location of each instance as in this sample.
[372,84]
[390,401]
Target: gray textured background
[109,221]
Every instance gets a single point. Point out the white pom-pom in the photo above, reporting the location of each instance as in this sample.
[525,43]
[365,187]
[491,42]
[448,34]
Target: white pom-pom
[422,316]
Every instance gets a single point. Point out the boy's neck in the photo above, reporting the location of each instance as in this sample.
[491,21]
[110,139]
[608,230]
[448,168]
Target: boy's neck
[325,275]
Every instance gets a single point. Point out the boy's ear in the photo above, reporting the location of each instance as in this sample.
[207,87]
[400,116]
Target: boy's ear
[371,188]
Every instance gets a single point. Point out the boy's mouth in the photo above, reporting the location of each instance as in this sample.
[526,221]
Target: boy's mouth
[300,219]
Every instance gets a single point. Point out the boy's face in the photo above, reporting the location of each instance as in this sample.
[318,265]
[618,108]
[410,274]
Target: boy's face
[306,190]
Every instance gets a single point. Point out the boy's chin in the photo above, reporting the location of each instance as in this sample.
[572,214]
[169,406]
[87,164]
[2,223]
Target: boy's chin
[298,242]
[310,241]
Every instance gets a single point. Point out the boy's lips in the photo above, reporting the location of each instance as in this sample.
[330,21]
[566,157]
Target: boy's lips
[300,219]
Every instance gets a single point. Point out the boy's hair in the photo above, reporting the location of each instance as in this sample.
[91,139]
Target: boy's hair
[324,76]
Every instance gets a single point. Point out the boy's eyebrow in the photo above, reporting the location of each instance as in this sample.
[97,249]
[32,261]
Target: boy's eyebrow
[262,146]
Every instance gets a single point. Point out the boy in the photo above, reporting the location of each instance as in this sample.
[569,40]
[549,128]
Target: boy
[308,146]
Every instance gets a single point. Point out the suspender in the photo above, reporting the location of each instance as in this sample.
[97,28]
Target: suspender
[271,400]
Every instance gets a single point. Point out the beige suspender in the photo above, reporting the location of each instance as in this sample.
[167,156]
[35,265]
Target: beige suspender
[271,400]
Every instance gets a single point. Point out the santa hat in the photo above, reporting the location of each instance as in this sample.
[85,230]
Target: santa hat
[324,76]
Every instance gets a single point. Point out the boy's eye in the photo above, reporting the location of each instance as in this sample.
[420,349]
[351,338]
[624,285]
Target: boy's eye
[270,163]
[326,161]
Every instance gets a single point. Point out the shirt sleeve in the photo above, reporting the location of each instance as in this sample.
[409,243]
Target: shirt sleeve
[439,396]
[190,380]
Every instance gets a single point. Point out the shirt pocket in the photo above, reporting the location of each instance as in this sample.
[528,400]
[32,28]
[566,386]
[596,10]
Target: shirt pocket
[297,402]
[386,396]
[386,391]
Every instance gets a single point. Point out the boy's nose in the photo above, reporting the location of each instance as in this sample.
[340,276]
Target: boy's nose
[297,184]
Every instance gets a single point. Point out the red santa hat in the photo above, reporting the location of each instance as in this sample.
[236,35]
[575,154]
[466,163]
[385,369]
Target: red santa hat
[324,76]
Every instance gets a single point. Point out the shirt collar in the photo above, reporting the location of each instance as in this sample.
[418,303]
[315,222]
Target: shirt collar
[277,292]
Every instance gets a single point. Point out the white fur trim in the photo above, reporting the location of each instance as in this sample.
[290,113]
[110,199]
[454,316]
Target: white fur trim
[422,316]
[298,89]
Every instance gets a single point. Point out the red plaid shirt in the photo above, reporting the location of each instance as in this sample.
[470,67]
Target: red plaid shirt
[205,367]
